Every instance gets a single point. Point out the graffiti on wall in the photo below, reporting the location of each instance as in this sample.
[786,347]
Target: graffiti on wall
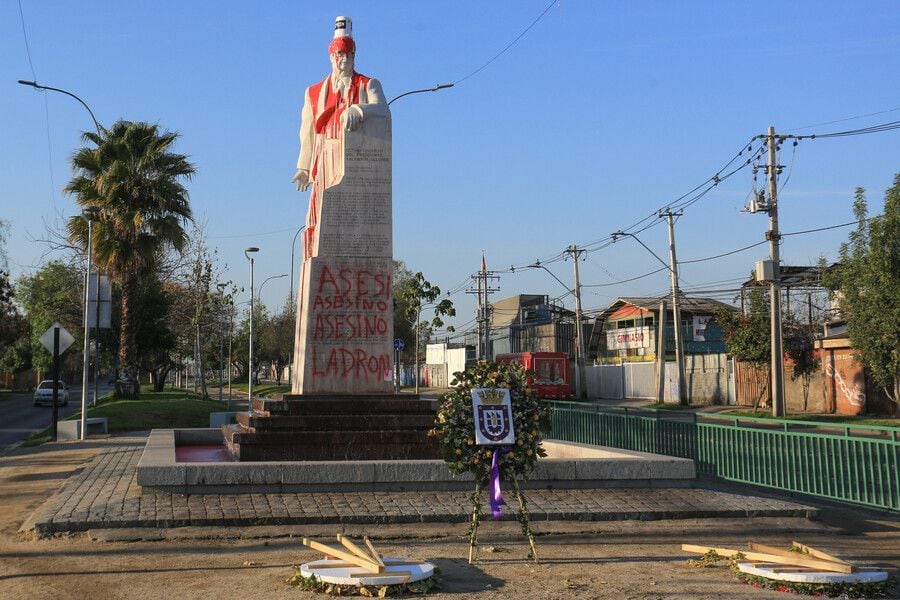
[350,314]
[855,395]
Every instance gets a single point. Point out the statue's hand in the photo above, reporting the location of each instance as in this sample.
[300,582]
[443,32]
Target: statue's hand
[352,117]
[301,178]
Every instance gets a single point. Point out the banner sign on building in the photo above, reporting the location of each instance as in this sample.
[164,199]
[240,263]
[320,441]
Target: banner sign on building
[493,417]
[700,328]
[631,337]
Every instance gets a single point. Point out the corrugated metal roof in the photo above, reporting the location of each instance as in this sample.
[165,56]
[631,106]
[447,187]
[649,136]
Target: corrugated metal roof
[685,303]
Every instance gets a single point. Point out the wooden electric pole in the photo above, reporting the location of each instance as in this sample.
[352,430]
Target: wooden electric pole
[580,391]
[774,237]
[676,309]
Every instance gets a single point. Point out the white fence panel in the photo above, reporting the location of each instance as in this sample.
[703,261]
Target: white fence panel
[640,380]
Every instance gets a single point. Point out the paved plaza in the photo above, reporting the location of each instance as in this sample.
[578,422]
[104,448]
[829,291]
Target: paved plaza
[99,537]
[104,494]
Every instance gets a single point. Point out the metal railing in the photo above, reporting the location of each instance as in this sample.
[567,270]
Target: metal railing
[845,462]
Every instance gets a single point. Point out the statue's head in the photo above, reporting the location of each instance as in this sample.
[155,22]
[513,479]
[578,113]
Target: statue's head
[342,49]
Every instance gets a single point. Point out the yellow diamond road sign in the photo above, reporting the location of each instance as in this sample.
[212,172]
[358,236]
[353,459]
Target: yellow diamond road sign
[65,338]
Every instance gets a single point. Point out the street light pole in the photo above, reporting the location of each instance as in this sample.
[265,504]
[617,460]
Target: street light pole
[579,347]
[440,86]
[293,308]
[221,287]
[247,253]
[676,311]
[37,86]
[88,214]
[265,281]
[230,337]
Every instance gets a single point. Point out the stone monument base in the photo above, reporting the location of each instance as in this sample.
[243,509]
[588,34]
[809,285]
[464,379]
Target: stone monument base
[327,427]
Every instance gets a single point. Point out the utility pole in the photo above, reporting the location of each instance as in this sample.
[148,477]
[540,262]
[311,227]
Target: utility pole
[483,314]
[676,310]
[579,343]
[774,237]
[661,354]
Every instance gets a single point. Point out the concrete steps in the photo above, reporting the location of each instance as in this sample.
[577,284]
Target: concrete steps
[332,428]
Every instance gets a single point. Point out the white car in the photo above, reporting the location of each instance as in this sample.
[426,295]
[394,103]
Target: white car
[44,393]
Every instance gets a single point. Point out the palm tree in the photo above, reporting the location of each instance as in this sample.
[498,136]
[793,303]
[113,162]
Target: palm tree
[132,177]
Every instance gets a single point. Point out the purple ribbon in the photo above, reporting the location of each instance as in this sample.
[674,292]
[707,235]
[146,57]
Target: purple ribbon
[496,496]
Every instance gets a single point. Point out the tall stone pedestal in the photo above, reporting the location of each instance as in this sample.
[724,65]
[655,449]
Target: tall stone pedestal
[327,427]
[345,317]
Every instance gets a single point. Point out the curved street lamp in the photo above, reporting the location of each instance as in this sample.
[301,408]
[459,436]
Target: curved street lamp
[89,213]
[38,86]
[291,302]
[440,86]
[676,312]
[579,344]
[266,280]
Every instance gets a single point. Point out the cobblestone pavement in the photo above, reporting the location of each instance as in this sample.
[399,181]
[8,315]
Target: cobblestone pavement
[105,494]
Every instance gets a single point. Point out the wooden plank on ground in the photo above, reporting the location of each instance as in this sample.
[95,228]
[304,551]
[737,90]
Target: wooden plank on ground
[791,554]
[819,553]
[347,556]
[349,545]
[372,549]
[341,564]
[764,557]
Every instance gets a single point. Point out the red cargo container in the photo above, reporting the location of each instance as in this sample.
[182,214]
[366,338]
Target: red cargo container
[551,370]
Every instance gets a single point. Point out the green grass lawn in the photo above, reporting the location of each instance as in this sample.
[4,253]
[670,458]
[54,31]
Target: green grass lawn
[154,410]
[825,419]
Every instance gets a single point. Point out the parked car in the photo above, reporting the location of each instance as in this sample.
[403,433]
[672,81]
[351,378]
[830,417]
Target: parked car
[43,395]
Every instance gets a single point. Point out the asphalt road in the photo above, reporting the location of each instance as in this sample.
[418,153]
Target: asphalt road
[19,418]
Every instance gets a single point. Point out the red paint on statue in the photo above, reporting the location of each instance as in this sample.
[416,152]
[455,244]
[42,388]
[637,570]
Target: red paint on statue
[350,362]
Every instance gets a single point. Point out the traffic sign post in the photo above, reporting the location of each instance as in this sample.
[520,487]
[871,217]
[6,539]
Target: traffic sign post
[56,340]
[398,346]
[53,425]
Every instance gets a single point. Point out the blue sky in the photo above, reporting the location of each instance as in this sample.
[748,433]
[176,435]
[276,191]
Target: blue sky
[600,115]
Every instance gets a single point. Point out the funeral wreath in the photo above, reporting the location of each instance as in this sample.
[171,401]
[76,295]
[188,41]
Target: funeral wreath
[455,429]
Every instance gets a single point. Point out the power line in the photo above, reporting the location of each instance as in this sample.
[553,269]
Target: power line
[509,45]
[838,226]
[874,114]
[696,260]
[46,106]
[27,47]
[599,285]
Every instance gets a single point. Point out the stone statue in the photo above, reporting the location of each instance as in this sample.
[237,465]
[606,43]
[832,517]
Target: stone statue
[344,329]
[340,101]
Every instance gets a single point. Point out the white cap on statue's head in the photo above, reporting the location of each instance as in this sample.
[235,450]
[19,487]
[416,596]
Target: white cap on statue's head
[343,27]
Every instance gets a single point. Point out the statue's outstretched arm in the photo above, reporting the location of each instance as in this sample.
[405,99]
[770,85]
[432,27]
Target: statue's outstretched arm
[307,140]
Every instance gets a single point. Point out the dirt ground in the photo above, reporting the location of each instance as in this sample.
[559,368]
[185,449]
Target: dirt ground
[622,559]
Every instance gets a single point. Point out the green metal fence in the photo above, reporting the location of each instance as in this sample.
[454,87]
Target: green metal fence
[859,464]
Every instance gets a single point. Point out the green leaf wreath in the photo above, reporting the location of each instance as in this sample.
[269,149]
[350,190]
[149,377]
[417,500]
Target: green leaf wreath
[455,429]
[455,426]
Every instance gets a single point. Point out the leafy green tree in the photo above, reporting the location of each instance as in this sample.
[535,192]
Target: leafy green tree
[15,347]
[277,338]
[133,177]
[748,335]
[799,339]
[418,294]
[55,293]
[868,282]
[403,326]
[158,339]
